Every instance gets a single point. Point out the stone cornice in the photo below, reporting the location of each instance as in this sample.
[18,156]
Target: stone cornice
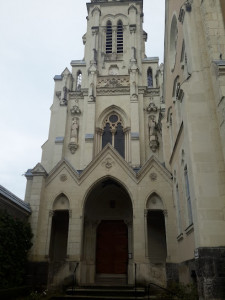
[113,91]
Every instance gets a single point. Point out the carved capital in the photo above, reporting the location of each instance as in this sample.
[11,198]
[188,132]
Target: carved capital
[165,212]
[51,213]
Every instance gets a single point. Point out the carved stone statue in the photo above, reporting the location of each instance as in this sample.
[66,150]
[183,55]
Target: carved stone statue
[73,145]
[153,137]
[74,130]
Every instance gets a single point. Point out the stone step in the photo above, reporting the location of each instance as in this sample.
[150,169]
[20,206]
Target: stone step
[103,291]
[106,292]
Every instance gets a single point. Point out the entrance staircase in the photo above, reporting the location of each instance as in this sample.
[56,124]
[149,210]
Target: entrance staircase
[112,293]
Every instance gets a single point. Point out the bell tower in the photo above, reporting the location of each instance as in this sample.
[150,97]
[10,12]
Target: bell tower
[115,80]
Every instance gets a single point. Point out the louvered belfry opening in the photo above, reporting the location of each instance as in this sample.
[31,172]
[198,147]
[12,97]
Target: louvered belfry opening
[120,37]
[109,37]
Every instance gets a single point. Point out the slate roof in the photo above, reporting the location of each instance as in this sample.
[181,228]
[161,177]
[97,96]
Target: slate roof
[17,201]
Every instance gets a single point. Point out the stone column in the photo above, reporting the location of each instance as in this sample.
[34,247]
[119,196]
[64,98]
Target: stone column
[69,234]
[48,237]
[127,144]
[146,231]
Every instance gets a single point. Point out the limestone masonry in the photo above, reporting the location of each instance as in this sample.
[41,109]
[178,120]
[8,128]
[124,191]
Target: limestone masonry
[131,184]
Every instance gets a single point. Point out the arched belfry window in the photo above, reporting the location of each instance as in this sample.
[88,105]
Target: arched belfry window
[108,37]
[113,133]
[150,77]
[79,80]
[120,37]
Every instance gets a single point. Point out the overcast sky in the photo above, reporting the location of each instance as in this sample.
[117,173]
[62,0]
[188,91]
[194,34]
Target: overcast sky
[38,39]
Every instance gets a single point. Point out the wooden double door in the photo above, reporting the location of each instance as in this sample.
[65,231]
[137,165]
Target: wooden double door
[112,248]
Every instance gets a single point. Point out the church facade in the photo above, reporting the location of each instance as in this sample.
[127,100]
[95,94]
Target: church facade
[130,187]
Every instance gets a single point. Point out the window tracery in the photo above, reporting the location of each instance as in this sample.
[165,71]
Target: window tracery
[113,133]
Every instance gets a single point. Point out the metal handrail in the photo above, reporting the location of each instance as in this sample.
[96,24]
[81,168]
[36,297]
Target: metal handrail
[135,283]
[162,288]
[74,277]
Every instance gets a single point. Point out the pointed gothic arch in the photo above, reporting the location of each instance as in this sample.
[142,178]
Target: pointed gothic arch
[112,128]
[155,240]
[107,233]
[59,228]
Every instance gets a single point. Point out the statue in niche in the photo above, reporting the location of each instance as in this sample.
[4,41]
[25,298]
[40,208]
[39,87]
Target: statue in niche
[63,101]
[73,145]
[153,137]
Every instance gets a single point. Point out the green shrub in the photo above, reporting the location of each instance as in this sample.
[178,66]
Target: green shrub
[186,292]
[15,241]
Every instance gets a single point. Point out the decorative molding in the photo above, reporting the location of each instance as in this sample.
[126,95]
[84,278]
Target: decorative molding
[165,212]
[38,170]
[134,97]
[76,95]
[73,147]
[113,81]
[151,108]
[108,163]
[153,176]
[63,177]
[132,28]
[115,91]
[151,92]
[51,213]
[75,110]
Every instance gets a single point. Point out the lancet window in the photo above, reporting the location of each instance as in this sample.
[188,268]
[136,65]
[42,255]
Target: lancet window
[79,80]
[120,37]
[149,77]
[109,37]
[188,196]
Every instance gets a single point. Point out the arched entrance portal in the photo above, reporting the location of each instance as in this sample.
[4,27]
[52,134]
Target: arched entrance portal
[107,243]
